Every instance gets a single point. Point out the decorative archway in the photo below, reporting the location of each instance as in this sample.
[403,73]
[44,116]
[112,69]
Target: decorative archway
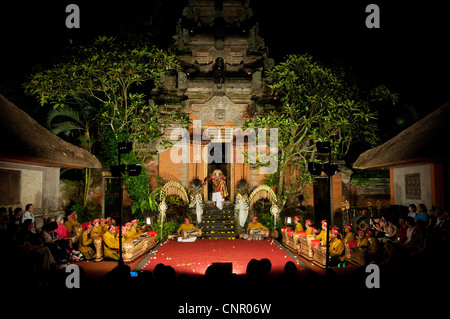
[265,192]
[170,188]
[173,188]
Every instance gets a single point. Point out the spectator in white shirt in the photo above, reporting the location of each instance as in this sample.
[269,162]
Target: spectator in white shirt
[28,213]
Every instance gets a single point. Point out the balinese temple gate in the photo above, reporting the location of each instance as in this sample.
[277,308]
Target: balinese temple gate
[223,59]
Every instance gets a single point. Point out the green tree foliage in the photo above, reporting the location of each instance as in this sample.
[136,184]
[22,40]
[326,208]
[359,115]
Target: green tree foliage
[115,78]
[315,104]
[75,122]
[108,74]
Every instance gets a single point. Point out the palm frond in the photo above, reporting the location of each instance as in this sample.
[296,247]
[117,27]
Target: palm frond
[65,111]
[65,127]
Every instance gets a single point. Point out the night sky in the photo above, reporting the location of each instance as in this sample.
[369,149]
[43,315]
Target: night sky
[407,53]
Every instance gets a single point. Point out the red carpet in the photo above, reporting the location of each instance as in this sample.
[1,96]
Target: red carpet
[194,258]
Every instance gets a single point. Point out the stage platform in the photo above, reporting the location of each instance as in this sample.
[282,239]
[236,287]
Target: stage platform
[193,258]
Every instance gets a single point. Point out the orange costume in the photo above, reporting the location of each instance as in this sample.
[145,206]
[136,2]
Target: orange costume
[219,184]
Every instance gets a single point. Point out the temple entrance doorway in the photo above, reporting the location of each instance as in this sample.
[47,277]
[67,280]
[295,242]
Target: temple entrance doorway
[217,160]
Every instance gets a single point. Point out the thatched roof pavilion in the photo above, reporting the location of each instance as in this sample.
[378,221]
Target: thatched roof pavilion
[427,140]
[24,140]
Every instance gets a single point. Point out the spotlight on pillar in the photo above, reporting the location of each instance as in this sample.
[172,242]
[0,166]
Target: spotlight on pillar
[124,147]
[134,169]
[117,171]
[315,168]
[330,168]
[323,147]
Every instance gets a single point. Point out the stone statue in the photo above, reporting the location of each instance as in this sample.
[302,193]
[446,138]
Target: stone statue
[196,199]
[241,203]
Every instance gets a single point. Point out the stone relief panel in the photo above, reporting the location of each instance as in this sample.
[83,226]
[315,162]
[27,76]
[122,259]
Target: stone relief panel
[220,109]
[412,186]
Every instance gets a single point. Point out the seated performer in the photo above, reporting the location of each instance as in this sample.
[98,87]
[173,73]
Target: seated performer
[298,225]
[134,230]
[111,244]
[128,233]
[85,243]
[323,234]
[104,225]
[140,230]
[309,228]
[97,230]
[62,231]
[68,223]
[186,226]
[337,249]
[257,225]
[348,233]
[362,241]
[315,231]
[75,219]
[374,245]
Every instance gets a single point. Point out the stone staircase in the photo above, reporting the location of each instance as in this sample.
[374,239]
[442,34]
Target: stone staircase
[218,223]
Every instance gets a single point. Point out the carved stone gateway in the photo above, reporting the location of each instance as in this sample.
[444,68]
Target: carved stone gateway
[220,110]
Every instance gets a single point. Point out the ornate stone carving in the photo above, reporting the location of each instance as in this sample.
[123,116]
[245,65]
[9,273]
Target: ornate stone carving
[220,109]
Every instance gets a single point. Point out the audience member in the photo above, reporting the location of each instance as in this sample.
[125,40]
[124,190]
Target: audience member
[28,214]
[4,219]
[432,218]
[402,230]
[412,211]
[373,251]
[407,244]
[32,245]
[379,225]
[15,221]
[410,223]
[422,214]
[391,231]
[62,231]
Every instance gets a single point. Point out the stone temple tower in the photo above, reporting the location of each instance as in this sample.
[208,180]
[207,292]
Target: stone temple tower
[220,85]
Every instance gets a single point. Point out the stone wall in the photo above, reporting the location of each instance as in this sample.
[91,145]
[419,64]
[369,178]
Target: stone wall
[39,185]
[424,194]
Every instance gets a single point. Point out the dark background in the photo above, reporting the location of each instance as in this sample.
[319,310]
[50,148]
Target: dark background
[408,53]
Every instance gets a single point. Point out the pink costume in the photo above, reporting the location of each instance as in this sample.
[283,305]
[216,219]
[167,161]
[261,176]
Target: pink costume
[62,231]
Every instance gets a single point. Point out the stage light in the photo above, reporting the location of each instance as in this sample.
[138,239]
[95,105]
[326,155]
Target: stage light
[124,147]
[330,168]
[117,171]
[134,169]
[315,168]
[323,147]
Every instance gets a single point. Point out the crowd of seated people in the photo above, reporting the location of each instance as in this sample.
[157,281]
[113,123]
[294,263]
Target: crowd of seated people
[391,238]
[59,242]
[392,241]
